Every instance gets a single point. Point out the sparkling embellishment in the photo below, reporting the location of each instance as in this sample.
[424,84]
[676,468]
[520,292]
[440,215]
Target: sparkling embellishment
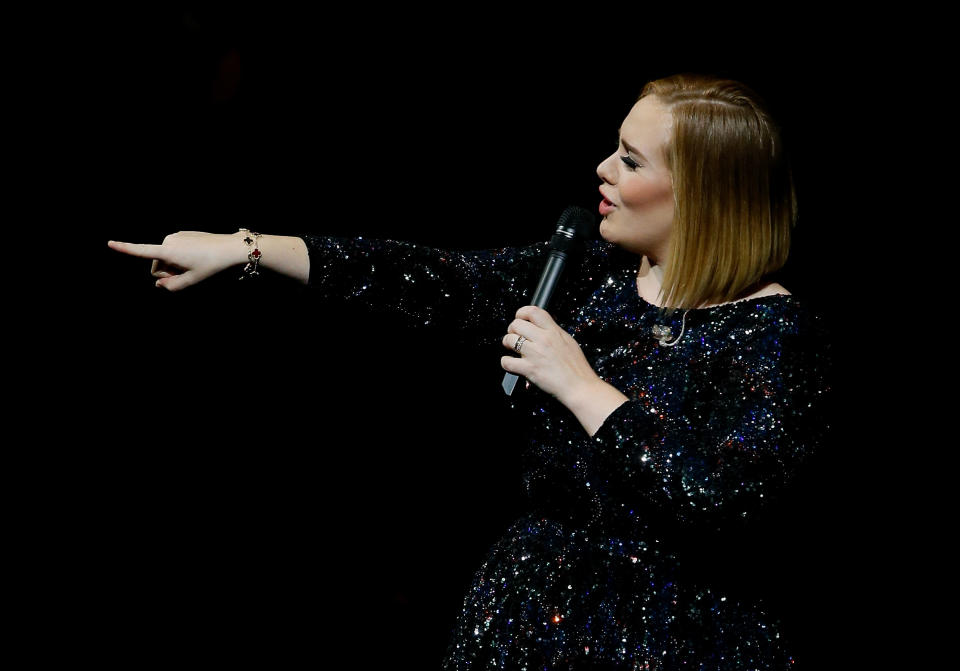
[708,437]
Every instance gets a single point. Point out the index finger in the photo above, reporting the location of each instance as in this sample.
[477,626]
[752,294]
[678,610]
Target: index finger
[134,249]
[535,314]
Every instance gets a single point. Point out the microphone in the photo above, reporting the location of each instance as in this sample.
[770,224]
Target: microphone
[575,225]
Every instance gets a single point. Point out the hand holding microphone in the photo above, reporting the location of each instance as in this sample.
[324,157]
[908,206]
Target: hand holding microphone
[564,364]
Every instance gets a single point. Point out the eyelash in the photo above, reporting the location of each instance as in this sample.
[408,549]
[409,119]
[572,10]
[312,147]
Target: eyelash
[630,163]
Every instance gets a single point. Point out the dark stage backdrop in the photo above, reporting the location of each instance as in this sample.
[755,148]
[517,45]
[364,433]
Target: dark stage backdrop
[271,478]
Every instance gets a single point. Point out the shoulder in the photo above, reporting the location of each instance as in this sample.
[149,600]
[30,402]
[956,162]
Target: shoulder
[776,337]
[773,319]
[609,253]
[771,289]
[605,259]
[784,329]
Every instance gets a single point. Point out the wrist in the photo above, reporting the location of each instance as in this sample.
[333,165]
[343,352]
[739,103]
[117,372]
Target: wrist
[593,401]
[251,242]
[238,248]
[582,393]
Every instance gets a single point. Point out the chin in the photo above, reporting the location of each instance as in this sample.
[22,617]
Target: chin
[602,230]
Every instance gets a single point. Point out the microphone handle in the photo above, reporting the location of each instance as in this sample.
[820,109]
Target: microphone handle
[549,279]
[541,298]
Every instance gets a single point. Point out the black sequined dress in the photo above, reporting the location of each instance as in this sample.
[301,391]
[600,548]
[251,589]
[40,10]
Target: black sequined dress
[714,429]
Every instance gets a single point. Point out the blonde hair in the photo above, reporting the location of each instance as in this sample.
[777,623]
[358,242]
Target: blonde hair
[735,203]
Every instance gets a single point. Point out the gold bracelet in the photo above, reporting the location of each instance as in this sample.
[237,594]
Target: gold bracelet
[253,256]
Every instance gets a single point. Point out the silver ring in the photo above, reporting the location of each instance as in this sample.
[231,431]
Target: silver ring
[518,344]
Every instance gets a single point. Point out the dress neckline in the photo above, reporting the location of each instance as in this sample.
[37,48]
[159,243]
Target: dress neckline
[722,306]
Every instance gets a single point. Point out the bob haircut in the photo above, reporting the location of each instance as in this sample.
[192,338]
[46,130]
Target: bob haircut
[735,204]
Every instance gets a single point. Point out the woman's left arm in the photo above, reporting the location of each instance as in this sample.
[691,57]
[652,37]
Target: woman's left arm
[551,359]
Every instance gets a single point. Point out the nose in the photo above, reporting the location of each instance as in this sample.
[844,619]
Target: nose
[606,171]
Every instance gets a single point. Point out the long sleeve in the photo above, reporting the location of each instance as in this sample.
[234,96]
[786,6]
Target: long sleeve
[730,450]
[471,295]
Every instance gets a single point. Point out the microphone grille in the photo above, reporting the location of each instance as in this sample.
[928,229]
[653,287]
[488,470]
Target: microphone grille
[579,219]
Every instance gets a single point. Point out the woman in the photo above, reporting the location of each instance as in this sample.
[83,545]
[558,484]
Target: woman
[679,400]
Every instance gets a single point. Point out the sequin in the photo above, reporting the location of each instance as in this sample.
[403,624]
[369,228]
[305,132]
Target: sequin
[713,431]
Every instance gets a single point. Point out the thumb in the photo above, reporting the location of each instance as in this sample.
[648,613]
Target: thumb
[177,282]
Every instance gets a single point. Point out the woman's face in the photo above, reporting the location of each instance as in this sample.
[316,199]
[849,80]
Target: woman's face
[638,190]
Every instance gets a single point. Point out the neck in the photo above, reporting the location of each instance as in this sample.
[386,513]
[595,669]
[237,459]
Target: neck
[657,272]
[650,281]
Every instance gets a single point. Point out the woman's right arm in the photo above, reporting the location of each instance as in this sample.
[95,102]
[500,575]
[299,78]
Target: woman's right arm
[471,294]
[468,293]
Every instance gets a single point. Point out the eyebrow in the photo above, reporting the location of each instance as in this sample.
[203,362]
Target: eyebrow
[631,149]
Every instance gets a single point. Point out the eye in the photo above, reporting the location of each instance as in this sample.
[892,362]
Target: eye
[633,165]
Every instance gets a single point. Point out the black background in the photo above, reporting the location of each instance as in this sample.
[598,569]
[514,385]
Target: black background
[266,478]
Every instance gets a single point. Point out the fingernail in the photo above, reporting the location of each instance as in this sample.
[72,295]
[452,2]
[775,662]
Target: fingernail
[157,283]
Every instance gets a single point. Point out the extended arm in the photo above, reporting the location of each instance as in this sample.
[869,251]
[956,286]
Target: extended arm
[470,293]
